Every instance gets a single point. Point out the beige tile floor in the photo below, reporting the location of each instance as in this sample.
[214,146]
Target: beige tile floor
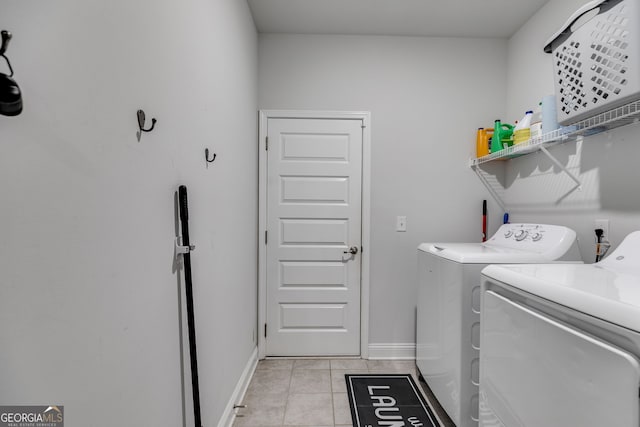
[305,392]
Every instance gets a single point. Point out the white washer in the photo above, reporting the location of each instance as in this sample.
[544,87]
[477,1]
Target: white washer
[447,338]
[561,343]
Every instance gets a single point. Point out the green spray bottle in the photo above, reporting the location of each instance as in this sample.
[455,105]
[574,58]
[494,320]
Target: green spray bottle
[501,136]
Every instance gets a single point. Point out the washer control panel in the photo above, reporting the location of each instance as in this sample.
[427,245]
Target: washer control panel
[521,232]
[536,237]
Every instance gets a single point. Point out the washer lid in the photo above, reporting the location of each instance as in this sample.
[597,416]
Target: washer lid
[608,290]
[513,243]
[478,253]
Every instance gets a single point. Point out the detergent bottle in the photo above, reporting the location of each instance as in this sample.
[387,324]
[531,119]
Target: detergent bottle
[522,131]
[536,122]
[502,133]
[482,141]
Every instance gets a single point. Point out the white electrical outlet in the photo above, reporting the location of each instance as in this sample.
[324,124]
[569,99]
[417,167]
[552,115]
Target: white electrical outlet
[401,223]
[604,225]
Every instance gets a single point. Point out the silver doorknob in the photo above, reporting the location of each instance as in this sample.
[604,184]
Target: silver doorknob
[352,250]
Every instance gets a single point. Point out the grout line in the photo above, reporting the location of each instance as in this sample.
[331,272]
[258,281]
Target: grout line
[333,408]
[286,403]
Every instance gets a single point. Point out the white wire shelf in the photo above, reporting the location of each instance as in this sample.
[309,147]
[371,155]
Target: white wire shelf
[616,117]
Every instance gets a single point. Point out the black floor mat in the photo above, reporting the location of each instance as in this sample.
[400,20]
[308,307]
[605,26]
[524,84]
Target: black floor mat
[387,400]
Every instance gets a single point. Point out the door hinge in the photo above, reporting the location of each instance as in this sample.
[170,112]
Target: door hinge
[266,143]
[265,330]
[265,236]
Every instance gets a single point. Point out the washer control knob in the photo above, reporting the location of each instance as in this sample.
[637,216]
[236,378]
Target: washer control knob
[521,235]
[508,234]
[536,237]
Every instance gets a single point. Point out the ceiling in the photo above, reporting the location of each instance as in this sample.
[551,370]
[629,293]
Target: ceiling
[436,18]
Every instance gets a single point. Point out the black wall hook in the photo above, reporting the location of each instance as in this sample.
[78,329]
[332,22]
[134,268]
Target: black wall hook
[10,94]
[141,120]
[206,156]
[6,37]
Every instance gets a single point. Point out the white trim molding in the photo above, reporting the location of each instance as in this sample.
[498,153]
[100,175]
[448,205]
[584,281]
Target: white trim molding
[229,414]
[389,351]
[365,116]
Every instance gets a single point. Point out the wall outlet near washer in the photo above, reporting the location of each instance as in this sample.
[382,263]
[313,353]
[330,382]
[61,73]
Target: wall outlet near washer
[604,225]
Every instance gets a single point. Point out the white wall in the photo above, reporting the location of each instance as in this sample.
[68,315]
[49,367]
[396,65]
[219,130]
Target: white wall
[426,96]
[89,299]
[536,190]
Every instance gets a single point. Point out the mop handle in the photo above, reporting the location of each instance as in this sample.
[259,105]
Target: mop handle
[184,221]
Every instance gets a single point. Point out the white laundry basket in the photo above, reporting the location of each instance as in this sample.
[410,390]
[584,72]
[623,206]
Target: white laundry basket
[596,59]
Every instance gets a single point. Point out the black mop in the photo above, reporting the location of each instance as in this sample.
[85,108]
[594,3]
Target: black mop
[184,221]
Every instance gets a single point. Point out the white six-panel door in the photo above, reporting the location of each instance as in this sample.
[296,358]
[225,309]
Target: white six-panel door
[314,179]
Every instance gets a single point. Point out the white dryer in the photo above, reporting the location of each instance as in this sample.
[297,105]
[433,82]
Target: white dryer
[561,343]
[448,307]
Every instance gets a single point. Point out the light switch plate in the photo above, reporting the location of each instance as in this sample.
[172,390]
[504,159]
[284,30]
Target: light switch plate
[401,223]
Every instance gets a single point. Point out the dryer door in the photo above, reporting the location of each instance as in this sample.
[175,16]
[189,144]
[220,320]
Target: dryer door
[535,371]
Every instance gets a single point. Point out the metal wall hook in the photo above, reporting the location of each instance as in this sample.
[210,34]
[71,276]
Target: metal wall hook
[10,94]
[6,37]
[141,120]
[206,156]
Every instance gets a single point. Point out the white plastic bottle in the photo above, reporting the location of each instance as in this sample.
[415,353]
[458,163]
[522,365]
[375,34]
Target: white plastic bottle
[522,131]
[536,122]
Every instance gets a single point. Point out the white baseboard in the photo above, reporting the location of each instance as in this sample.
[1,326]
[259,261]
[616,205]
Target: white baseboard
[399,351]
[241,388]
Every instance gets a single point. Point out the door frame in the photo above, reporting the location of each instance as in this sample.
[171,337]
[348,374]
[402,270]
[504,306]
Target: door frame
[365,117]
